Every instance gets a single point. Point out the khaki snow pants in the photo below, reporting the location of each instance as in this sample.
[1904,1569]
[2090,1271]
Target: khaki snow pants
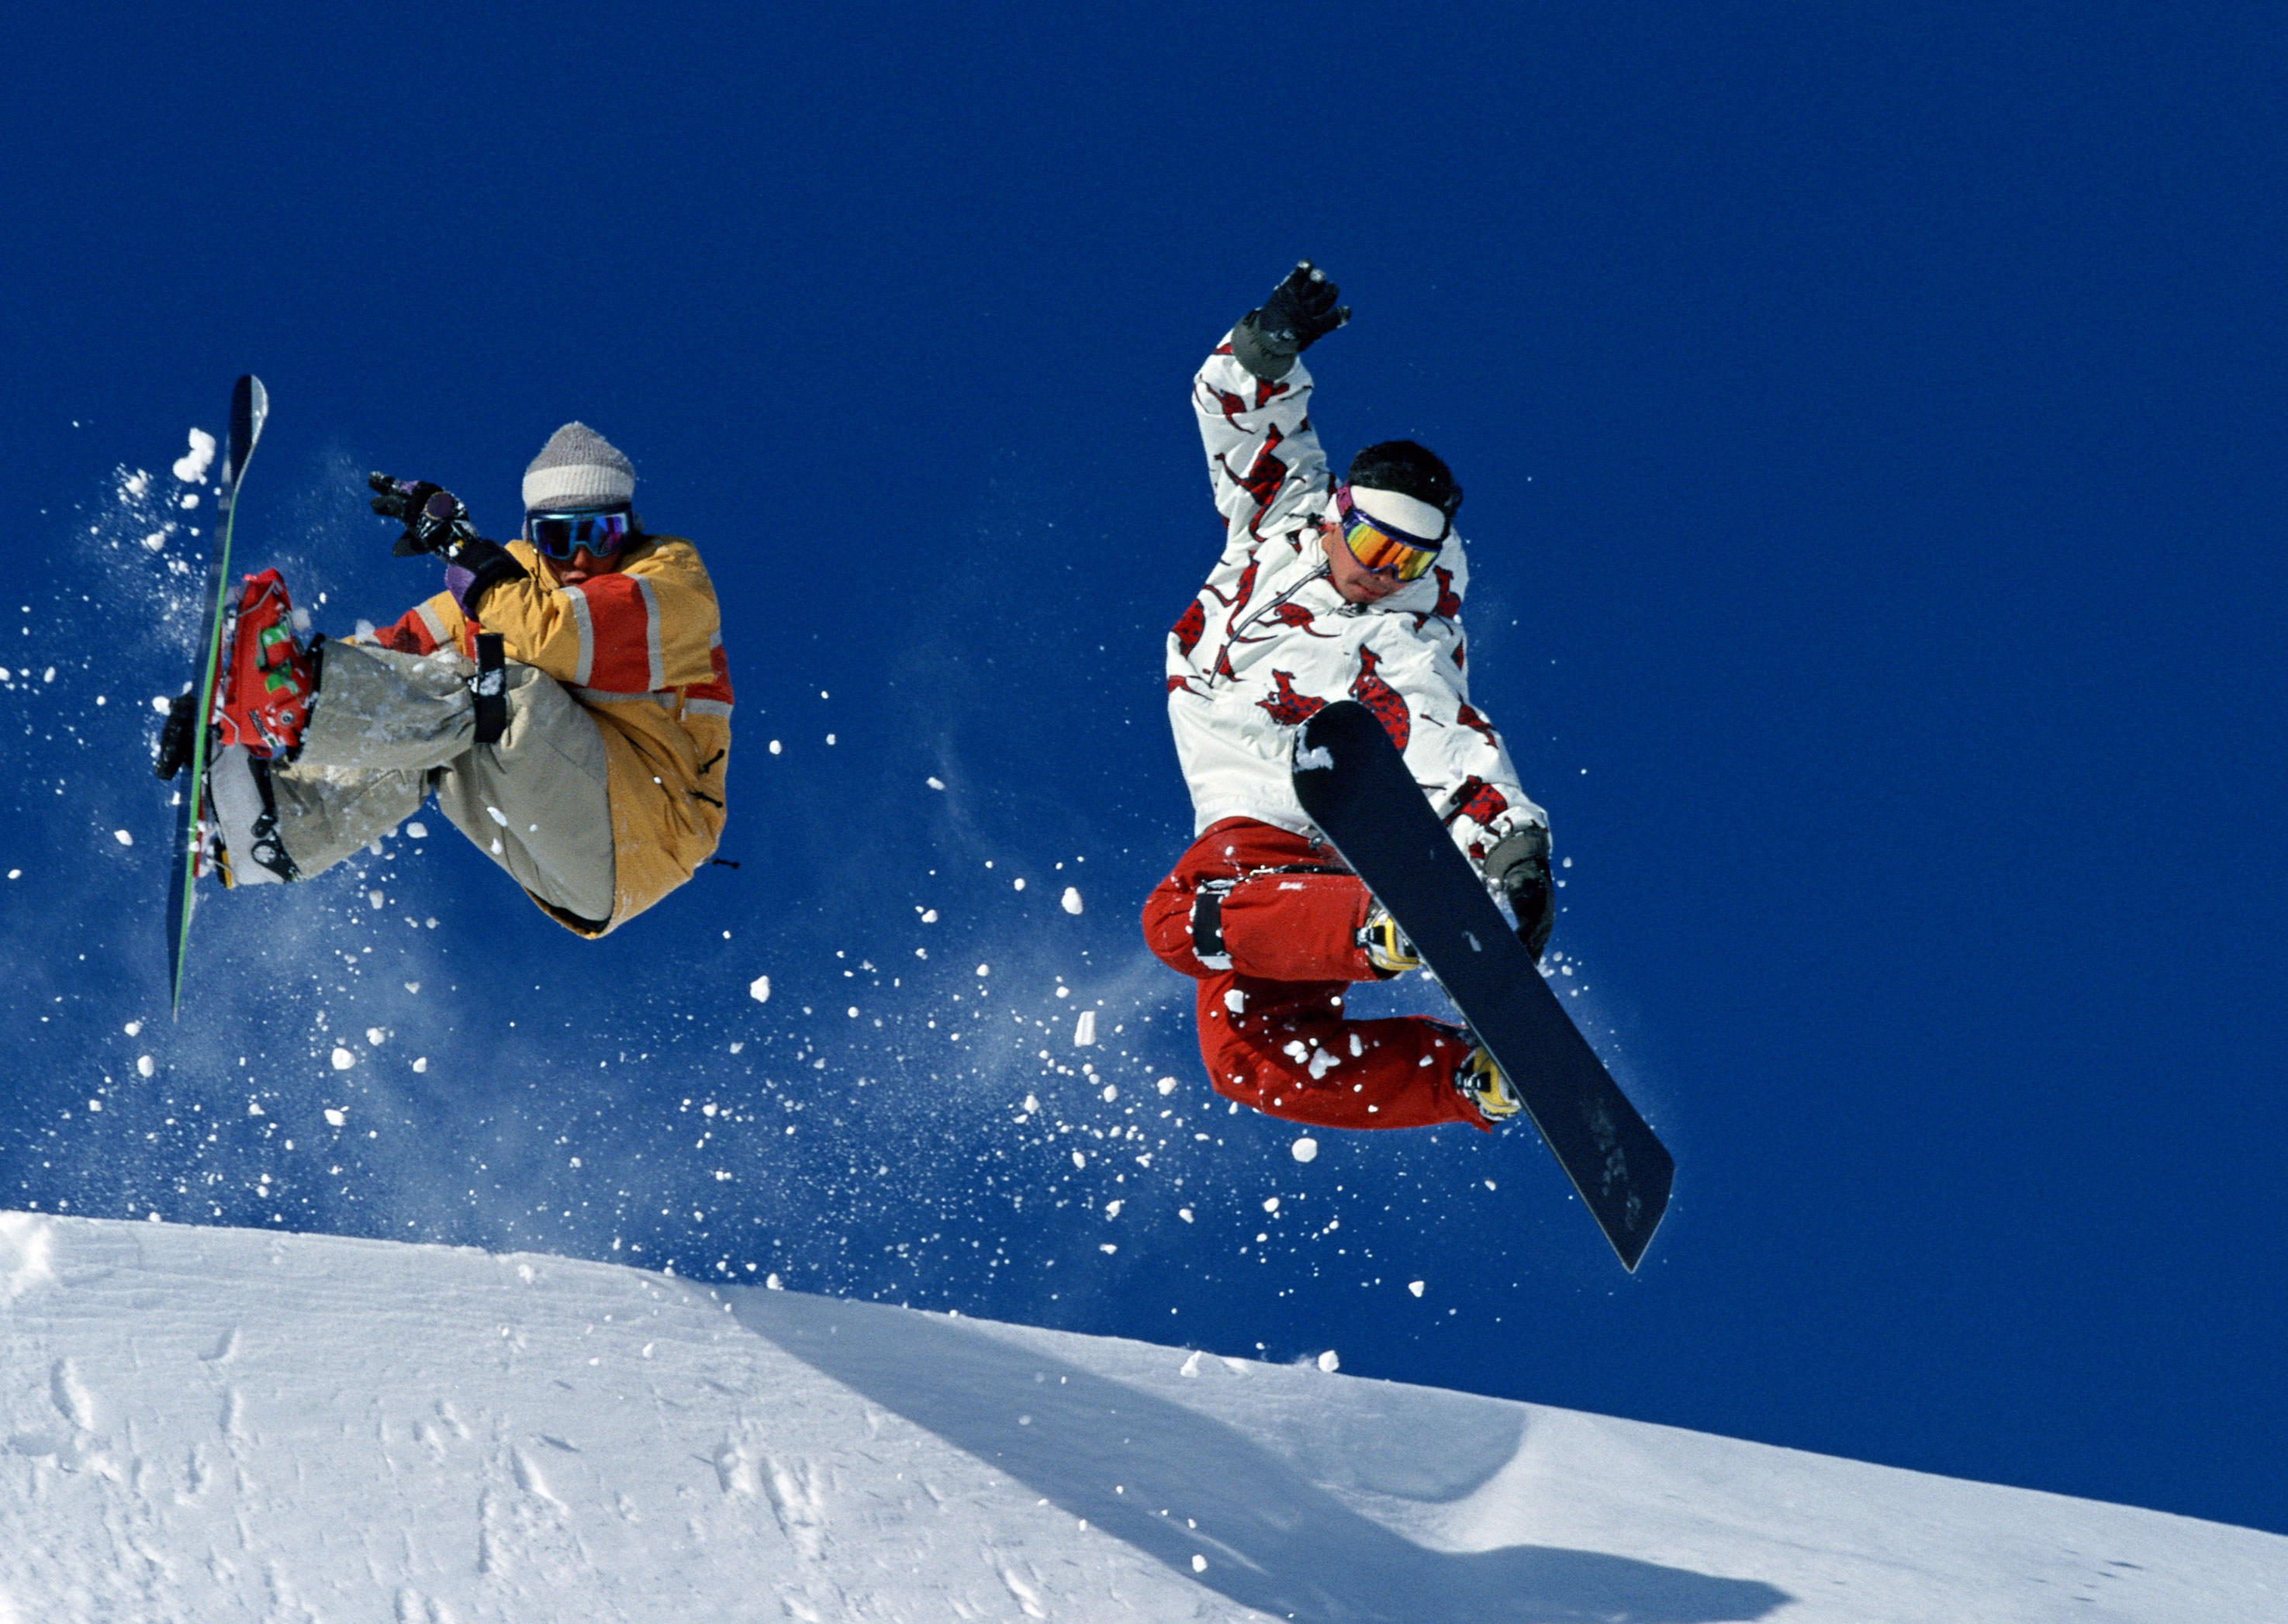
[389,727]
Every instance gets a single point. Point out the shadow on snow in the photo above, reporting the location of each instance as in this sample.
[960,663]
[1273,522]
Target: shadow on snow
[1274,1540]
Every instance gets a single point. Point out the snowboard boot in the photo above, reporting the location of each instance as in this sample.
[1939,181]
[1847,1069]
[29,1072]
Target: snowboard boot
[1481,1082]
[269,678]
[243,848]
[1386,947]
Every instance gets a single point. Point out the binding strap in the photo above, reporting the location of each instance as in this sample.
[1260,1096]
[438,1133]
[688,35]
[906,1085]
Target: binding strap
[491,689]
[1207,924]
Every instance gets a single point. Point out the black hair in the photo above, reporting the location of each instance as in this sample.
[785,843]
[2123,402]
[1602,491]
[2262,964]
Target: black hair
[1410,470]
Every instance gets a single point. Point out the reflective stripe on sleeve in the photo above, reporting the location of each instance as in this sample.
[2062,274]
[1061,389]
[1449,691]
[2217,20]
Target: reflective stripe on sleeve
[584,667]
[657,656]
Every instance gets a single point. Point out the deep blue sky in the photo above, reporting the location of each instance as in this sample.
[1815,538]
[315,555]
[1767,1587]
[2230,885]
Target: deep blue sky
[1874,433]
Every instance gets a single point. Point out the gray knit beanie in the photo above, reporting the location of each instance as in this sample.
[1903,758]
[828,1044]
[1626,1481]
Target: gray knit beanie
[577,468]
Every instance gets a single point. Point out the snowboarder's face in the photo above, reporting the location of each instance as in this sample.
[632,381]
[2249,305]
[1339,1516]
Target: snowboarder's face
[1355,581]
[582,566]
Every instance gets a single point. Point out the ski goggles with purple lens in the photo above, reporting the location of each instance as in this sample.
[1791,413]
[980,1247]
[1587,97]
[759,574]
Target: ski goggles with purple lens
[1383,547]
[559,536]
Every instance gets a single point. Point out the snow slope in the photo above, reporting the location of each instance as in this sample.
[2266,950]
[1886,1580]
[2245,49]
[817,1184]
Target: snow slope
[218,1424]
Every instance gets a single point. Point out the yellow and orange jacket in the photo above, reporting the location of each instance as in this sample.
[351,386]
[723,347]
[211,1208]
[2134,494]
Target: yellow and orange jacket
[642,650]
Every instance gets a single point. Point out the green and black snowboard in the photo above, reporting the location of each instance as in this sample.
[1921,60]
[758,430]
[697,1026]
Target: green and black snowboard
[250,404]
[1356,787]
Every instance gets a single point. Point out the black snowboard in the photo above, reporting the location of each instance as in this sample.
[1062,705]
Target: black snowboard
[1356,787]
[250,408]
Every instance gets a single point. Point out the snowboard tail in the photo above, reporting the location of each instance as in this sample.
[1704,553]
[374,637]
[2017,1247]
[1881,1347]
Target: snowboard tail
[250,407]
[1354,783]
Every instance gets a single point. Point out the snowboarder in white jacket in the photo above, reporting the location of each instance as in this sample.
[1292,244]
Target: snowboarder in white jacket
[1326,590]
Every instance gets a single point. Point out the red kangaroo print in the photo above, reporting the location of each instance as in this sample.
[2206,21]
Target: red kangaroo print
[1301,618]
[1290,708]
[1479,802]
[1469,716]
[1449,603]
[1379,697]
[1190,625]
[1231,405]
[1267,473]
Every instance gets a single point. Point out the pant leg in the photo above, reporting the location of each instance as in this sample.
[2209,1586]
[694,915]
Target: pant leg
[381,721]
[1286,1049]
[326,814]
[1284,909]
[390,725]
[539,802]
[1273,1033]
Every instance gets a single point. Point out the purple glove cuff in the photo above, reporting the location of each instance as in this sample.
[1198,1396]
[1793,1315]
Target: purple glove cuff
[457,582]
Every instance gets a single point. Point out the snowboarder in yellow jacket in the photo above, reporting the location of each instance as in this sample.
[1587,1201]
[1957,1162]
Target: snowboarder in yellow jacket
[565,698]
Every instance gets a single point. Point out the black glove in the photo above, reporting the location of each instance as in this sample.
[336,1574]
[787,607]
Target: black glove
[433,518]
[1518,866]
[1301,312]
[437,521]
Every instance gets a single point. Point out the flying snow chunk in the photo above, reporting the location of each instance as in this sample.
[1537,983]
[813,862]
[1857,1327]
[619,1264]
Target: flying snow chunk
[1080,1159]
[985,970]
[1166,1085]
[1072,900]
[1085,1030]
[1199,1563]
[343,1058]
[1111,1092]
[335,1116]
[191,467]
[132,1028]
[421,1064]
[1305,1149]
[123,837]
[1329,1363]
[759,989]
[935,783]
[419,831]
[498,816]
[376,1037]
[1415,1287]
[145,1065]
[1020,883]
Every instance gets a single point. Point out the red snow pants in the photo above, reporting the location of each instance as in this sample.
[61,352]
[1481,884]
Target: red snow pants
[1271,1004]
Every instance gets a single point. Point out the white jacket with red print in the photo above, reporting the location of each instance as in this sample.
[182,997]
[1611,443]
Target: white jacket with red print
[1269,641]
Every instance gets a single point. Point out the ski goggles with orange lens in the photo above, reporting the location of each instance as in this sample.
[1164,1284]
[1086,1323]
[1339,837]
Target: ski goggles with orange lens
[1382,547]
[559,536]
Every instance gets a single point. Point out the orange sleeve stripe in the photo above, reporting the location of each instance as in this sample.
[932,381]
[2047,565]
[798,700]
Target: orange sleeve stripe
[408,634]
[626,634]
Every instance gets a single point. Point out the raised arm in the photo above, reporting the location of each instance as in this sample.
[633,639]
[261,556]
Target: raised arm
[1253,398]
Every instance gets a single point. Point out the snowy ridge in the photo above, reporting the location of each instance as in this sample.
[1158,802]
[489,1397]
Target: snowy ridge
[220,1425]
